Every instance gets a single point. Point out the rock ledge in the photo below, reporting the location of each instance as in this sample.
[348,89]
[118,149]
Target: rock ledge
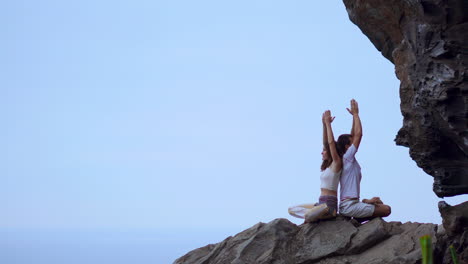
[339,241]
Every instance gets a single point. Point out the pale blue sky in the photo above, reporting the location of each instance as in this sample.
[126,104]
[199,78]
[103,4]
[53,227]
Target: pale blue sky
[189,114]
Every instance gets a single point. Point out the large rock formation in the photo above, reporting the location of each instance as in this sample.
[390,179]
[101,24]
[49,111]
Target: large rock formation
[455,223]
[427,40]
[339,241]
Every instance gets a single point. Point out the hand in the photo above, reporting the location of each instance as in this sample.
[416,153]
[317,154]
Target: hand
[354,108]
[327,118]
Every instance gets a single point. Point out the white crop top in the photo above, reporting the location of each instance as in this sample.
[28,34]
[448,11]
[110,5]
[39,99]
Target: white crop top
[329,180]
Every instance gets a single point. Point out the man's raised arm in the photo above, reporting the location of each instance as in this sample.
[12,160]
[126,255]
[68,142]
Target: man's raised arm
[356,130]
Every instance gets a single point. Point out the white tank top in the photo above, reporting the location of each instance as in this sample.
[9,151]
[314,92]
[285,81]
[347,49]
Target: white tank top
[329,180]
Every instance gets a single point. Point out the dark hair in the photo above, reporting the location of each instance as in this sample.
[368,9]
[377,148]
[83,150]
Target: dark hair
[327,162]
[343,141]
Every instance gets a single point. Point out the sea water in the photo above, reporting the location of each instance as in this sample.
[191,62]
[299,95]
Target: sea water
[93,246]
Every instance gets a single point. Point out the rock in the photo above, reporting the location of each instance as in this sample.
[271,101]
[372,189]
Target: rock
[332,241]
[455,223]
[316,241]
[454,218]
[400,247]
[198,255]
[427,42]
[339,241]
[369,235]
[262,243]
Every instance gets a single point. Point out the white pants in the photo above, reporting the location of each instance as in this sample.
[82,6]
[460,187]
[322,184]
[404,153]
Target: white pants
[300,211]
[355,208]
[311,212]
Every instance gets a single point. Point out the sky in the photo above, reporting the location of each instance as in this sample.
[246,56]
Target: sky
[189,115]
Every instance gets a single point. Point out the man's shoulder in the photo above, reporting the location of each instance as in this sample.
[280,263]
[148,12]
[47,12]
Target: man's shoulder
[350,152]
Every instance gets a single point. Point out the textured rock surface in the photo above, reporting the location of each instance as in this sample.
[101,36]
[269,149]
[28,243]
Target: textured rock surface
[334,241]
[339,241]
[427,40]
[455,224]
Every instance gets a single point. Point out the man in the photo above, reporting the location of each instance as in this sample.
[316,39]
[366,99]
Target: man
[350,180]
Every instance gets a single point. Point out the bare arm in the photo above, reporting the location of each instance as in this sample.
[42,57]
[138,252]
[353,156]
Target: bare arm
[331,140]
[357,133]
[356,130]
[324,131]
[352,125]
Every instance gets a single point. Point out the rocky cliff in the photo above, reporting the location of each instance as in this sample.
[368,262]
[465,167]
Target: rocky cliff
[427,40]
[339,241]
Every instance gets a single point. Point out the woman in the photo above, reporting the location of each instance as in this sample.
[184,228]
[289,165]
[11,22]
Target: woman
[330,177]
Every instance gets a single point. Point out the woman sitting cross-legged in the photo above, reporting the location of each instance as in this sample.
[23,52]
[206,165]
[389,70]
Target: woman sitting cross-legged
[331,170]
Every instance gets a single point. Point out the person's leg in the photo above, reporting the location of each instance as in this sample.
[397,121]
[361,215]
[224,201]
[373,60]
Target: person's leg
[356,209]
[299,211]
[377,200]
[345,208]
[382,210]
[331,201]
[316,213]
[308,206]
[328,215]
[373,200]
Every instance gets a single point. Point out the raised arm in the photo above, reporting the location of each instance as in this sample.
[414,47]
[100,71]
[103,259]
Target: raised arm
[325,140]
[356,130]
[331,139]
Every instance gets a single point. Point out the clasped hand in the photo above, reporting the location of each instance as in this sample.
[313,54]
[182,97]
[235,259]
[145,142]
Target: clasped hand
[327,118]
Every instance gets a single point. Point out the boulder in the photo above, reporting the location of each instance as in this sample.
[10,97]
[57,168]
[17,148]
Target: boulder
[340,241]
[455,223]
[331,241]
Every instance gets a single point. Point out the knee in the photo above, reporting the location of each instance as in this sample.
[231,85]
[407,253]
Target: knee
[387,211]
[293,210]
[382,210]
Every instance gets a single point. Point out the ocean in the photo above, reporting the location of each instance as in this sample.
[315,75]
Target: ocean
[101,246]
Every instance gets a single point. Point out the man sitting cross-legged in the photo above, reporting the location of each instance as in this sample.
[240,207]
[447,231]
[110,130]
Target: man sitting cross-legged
[350,180]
